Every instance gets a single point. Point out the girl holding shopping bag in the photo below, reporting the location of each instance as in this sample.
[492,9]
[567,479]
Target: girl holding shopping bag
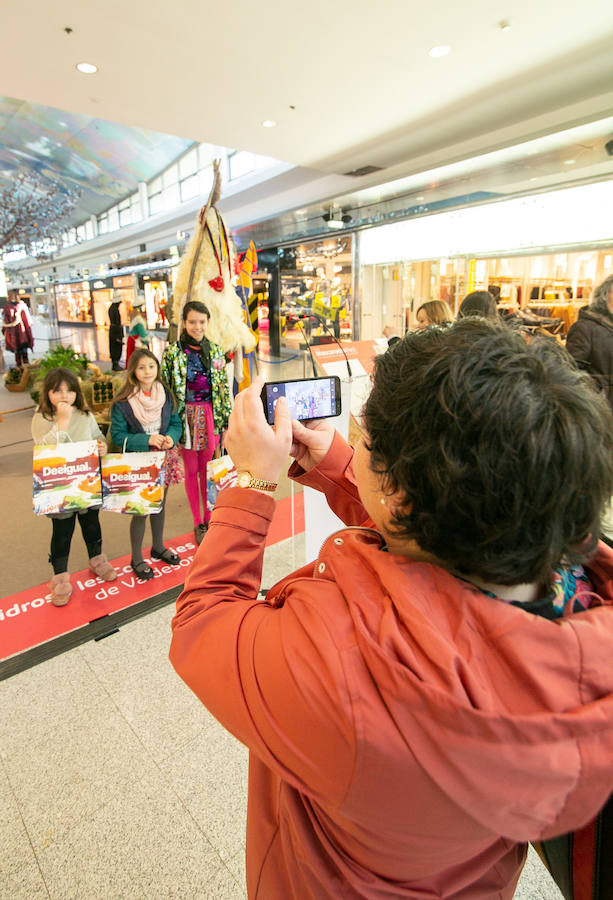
[143,418]
[62,416]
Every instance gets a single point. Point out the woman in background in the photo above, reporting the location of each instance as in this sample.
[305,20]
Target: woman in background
[432,312]
[590,338]
[478,303]
[115,332]
[138,336]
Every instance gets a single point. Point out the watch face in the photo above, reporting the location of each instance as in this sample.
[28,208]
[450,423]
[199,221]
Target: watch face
[243,479]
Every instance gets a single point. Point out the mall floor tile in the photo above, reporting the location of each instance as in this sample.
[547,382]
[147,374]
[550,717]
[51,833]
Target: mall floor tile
[115,782]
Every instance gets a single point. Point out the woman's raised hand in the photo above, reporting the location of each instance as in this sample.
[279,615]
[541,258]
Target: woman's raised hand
[253,444]
[311,442]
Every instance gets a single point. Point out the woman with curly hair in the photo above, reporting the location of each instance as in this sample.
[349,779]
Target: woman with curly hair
[590,339]
[435,689]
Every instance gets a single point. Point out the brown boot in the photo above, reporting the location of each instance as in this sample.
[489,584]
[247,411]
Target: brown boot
[100,566]
[61,589]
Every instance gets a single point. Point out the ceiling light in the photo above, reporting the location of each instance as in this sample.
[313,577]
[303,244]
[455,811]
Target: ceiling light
[419,199]
[87,68]
[569,162]
[438,51]
[504,25]
[269,123]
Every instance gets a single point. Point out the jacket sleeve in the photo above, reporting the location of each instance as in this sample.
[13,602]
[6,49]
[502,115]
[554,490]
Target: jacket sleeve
[334,477]
[166,369]
[120,433]
[579,344]
[44,431]
[175,428]
[271,674]
[94,429]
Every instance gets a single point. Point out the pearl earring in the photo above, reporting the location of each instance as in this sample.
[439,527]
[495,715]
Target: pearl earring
[383,501]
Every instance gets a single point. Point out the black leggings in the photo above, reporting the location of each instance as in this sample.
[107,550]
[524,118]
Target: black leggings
[21,356]
[61,537]
[137,532]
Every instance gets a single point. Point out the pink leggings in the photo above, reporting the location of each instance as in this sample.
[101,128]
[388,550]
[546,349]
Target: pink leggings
[194,462]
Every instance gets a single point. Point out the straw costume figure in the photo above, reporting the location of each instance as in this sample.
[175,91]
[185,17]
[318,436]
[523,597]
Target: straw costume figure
[210,320]
[205,274]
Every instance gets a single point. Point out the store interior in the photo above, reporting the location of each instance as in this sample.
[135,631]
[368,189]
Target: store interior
[553,285]
[316,291]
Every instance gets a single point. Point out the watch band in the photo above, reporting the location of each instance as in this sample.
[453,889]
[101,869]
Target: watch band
[247,480]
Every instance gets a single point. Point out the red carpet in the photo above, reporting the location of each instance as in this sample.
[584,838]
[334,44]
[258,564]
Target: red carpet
[28,618]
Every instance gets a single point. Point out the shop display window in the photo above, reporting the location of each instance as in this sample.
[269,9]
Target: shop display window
[316,291]
[550,286]
[156,298]
[73,302]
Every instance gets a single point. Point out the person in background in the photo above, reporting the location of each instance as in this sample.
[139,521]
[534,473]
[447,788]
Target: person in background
[435,689]
[590,338]
[138,336]
[143,418]
[478,303]
[62,416]
[195,371]
[432,312]
[173,328]
[115,332]
[17,330]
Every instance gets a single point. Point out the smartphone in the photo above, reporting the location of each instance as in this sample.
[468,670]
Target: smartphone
[307,398]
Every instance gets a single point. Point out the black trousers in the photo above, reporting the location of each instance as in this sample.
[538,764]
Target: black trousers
[63,529]
[115,344]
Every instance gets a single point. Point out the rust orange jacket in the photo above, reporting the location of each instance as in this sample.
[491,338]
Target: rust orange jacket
[408,734]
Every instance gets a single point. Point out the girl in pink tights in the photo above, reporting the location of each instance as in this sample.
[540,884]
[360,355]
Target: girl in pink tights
[195,371]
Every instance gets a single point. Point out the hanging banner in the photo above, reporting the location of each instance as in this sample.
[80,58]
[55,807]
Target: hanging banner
[133,483]
[66,478]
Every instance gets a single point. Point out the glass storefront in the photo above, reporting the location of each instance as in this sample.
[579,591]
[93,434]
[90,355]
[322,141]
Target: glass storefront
[549,284]
[317,291]
[537,253]
[74,302]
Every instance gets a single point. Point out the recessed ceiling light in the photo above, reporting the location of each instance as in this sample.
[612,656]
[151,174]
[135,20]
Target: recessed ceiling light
[419,199]
[569,162]
[269,123]
[440,50]
[504,25]
[87,68]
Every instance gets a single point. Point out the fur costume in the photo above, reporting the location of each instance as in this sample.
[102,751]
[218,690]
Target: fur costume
[205,274]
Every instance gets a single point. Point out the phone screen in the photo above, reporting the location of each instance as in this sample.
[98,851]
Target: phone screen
[307,398]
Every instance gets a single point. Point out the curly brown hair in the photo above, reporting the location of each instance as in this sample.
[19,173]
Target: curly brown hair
[501,453]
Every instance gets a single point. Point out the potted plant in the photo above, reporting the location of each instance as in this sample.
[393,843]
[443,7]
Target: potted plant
[16,379]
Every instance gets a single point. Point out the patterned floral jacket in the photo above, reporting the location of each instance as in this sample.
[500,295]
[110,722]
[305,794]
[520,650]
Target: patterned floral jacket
[174,373]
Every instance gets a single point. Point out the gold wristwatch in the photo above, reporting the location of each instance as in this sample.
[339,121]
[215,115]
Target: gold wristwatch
[247,480]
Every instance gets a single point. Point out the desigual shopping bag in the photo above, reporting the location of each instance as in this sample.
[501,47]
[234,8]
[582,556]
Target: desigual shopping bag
[220,473]
[66,478]
[133,483]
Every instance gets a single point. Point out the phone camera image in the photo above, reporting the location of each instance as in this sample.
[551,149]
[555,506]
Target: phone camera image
[311,398]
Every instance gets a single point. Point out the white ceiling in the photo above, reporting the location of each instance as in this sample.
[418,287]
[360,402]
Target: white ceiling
[365,90]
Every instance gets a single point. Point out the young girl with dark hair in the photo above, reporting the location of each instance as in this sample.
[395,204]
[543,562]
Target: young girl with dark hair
[62,417]
[143,418]
[195,371]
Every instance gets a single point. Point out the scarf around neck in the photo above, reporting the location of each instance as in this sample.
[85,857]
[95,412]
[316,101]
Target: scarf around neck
[205,348]
[148,409]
